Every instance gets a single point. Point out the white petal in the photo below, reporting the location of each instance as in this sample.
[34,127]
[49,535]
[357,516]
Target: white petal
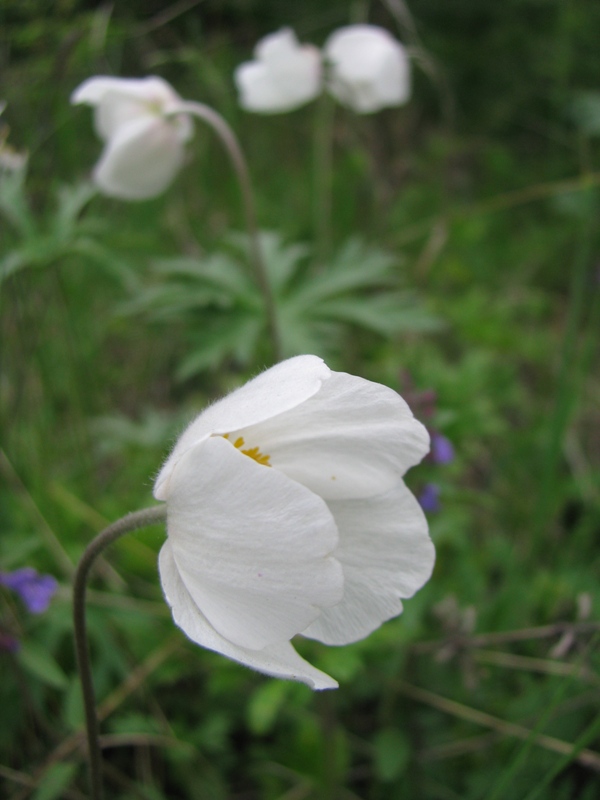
[285,75]
[140,160]
[150,89]
[278,389]
[257,91]
[386,554]
[252,546]
[276,47]
[279,660]
[120,100]
[369,68]
[353,438]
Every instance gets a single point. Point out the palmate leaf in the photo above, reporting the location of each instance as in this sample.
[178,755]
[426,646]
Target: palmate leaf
[64,233]
[230,336]
[219,299]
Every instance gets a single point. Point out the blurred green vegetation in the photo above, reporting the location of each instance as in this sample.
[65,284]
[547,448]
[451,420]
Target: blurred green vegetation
[476,206]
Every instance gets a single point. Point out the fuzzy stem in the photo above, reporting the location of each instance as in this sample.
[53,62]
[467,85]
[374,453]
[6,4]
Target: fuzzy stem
[240,167]
[128,523]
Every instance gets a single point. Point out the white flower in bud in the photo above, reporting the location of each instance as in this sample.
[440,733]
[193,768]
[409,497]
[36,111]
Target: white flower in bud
[284,75]
[287,514]
[144,136]
[368,68]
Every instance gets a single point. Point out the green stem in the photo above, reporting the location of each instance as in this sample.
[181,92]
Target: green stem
[240,167]
[323,178]
[564,394]
[128,523]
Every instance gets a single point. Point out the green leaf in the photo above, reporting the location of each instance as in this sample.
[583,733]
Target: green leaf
[392,754]
[265,705]
[38,662]
[56,779]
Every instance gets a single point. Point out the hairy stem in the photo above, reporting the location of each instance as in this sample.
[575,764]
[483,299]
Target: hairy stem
[128,523]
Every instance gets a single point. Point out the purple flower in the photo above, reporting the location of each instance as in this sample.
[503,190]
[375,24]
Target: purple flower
[35,590]
[430,498]
[442,450]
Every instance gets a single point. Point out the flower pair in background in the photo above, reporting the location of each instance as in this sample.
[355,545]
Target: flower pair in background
[145,126]
[287,514]
[363,66]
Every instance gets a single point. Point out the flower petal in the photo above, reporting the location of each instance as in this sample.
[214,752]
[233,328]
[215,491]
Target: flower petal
[284,76]
[278,389]
[369,68]
[252,546]
[353,438]
[386,553]
[257,90]
[278,660]
[121,100]
[140,160]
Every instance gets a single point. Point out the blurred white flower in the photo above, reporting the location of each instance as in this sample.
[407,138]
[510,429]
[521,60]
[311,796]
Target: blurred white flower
[284,76]
[368,68]
[144,135]
[287,514]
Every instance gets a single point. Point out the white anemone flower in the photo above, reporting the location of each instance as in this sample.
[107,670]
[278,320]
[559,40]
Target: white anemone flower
[368,68]
[285,74]
[287,514]
[144,136]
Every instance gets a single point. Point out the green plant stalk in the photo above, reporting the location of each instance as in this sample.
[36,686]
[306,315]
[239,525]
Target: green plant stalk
[587,737]
[323,178]
[570,752]
[240,167]
[128,523]
[564,394]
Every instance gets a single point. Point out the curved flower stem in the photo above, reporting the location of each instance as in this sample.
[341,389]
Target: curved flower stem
[240,167]
[128,523]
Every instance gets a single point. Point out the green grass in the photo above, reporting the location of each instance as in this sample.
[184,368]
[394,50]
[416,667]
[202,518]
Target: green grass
[486,225]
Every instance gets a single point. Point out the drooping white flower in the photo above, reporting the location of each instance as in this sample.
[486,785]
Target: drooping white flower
[144,140]
[284,75]
[287,514]
[368,68]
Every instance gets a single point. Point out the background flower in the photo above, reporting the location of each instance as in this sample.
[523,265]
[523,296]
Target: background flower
[35,590]
[368,68]
[287,513]
[442,449]
[144,143]
[284,75]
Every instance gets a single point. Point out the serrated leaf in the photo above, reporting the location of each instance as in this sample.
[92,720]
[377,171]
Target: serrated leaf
[387,315]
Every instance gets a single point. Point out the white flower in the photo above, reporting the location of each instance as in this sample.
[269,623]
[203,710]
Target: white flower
[284,76]
[287,514]
[144,143]
[368,68]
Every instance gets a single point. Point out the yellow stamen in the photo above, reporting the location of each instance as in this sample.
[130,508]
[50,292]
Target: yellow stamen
[251,452]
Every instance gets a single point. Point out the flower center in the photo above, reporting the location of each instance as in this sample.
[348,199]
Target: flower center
[251,452]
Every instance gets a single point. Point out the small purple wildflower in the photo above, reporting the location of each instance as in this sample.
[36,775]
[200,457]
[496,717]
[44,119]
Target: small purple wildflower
[442,450]
[35,590]
[430,498]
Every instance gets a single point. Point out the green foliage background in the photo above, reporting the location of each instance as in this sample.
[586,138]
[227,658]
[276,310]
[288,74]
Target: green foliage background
[468,221]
